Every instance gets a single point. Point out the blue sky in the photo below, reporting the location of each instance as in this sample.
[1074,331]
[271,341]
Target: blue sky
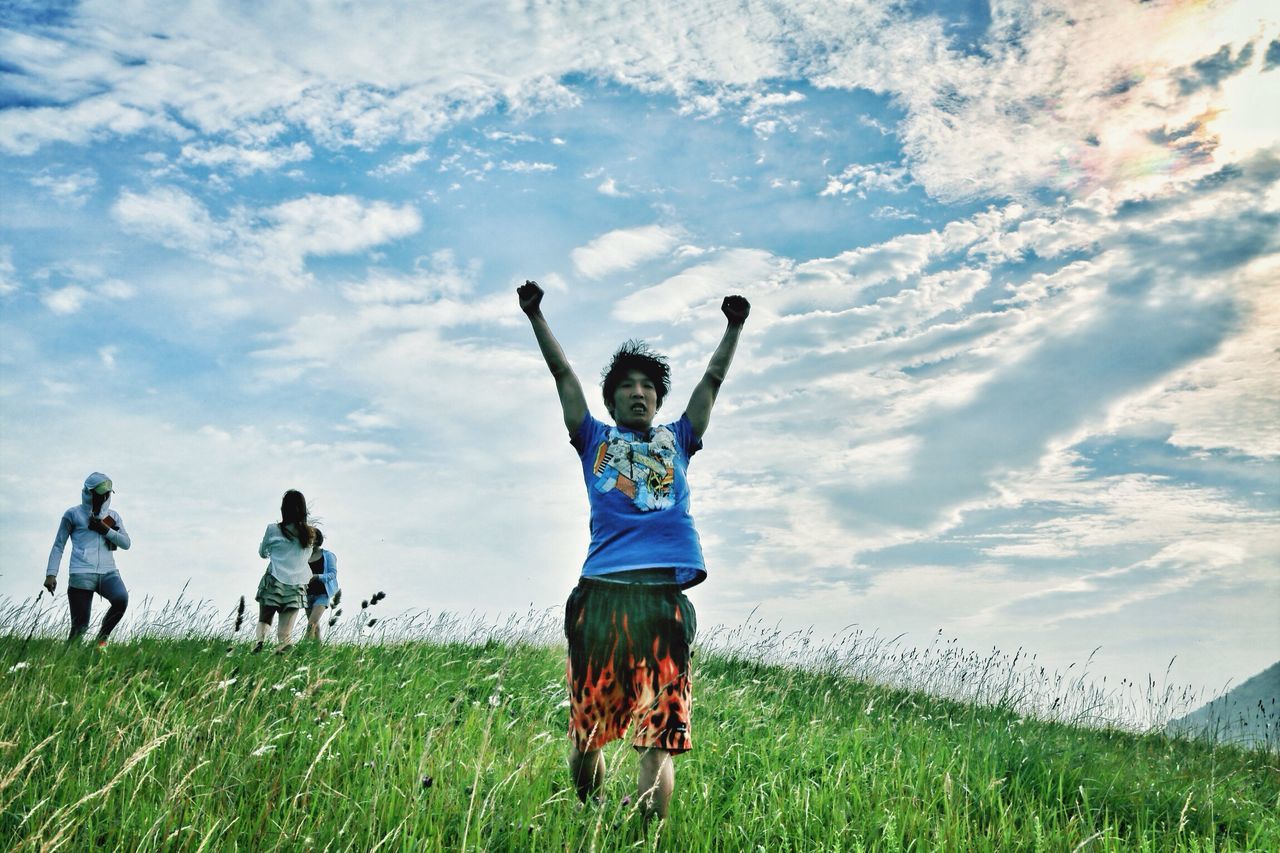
[1011,370]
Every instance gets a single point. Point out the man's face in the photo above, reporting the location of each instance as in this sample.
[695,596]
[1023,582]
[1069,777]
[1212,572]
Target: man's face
[635,402]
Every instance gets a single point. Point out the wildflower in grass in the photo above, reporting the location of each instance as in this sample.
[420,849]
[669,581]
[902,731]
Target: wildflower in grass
[364,605]
[223,685]
[427,782]
[644,552]
[239,616]
[373,622]
[22,664]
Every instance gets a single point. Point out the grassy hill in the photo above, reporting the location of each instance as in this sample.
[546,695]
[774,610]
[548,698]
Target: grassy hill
[187,744]
[1247,714]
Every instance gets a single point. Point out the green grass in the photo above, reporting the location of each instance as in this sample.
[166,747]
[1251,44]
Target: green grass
[178,744]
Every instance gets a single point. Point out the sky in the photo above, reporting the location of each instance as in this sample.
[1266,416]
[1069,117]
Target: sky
[1010,372]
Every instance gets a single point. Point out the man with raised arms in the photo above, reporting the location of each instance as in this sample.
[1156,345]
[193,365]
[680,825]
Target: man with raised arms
[628,623]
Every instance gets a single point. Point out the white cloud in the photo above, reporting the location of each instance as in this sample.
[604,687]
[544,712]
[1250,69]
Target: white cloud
[116,289]
[108,355]
[504,136]
[1229,400]
[73,187]
[526,167]
[245,161]
[402,164]
[609,187]
[434,278]
[623,249]
[1090,515]
[1177,567]
[271,243]
[65,300]
[24,130]
[8,272]
[974,124]
[888,211]
[977,128]
[337,225]
[862,179]
[171,217]
[733,271]
[366,420]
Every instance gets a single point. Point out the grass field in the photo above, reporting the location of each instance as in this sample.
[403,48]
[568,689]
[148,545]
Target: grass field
[451,741]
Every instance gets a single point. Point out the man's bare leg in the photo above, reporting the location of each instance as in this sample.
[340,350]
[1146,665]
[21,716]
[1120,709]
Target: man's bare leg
[655,783]
[587,771]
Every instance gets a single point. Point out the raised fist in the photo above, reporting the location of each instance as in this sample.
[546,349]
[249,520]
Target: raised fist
[530,296]
[737,309]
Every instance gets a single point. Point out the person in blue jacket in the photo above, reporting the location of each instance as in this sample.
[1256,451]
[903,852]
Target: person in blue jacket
[322,589]
[95,531]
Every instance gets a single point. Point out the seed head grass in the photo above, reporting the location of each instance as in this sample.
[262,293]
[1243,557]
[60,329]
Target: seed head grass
[442,732]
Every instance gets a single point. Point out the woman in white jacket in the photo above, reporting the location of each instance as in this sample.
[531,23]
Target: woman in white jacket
[287,544]
[95,531]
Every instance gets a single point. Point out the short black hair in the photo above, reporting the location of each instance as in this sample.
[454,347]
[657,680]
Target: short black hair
[635,355]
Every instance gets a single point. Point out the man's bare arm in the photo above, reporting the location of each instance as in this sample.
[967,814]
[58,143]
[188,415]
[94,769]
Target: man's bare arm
[573,403]
[736,309]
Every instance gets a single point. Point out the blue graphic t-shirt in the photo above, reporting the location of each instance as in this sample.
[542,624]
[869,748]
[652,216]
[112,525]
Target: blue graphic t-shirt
[639,495]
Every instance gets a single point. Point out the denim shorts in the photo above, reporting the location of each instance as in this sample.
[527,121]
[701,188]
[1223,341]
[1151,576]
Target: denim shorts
[92,581]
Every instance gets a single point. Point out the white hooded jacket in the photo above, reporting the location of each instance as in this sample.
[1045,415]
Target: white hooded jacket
[89,551]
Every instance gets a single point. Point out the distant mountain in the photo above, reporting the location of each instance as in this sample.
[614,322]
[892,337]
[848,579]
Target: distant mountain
[1248,715]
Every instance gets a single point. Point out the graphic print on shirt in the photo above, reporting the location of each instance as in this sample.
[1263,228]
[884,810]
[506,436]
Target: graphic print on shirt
[644,471]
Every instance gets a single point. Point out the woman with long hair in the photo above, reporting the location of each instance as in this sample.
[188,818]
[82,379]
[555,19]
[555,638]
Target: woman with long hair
[283,588]
[322,588]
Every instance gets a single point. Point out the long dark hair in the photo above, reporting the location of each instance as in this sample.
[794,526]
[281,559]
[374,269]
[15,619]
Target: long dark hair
[293,513]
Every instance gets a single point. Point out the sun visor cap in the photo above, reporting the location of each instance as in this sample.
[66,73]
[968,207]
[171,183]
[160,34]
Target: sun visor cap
[103,488]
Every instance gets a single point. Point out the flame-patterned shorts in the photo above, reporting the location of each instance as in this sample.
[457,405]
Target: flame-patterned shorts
[628,664]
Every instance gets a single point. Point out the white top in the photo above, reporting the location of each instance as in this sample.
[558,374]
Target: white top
[288,556]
